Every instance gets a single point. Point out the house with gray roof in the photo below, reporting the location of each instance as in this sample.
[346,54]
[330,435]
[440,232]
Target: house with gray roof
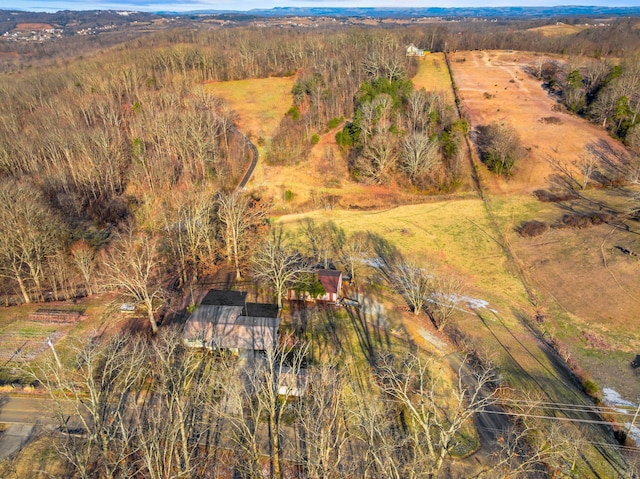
[223,321]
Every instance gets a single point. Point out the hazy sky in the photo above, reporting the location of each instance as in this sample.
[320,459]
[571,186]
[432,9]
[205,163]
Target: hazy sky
[179,6]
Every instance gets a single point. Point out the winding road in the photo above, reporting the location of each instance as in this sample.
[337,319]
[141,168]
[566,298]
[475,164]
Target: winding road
[253,151]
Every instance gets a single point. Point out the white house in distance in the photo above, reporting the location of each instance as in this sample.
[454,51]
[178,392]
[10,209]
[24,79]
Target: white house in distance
[413,51]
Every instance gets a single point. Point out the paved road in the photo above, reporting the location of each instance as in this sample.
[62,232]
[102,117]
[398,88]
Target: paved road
[252,166]
[26,410]
[24,415]
[12,440]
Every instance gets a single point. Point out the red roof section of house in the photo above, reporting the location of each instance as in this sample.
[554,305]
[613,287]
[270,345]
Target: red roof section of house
[330,280]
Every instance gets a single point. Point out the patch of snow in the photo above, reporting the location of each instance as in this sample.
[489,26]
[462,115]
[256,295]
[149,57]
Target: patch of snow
[373,262]
[473,303]
[437,342]
[613,399]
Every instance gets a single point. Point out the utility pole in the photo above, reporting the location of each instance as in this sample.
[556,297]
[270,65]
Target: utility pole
[633,421]
[55,355]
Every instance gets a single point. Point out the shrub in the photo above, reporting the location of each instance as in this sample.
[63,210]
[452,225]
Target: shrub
[579,221]
[575,220]
[531,229]
[549,196]
[335,121]
[551,120]
[294,113]
[288,195]
[591,389]
[315,139]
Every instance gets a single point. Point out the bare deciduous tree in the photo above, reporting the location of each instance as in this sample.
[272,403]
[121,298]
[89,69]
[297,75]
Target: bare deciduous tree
[30,233]
[419,155]
[434,423]
[378,158]
[277,263]
[190,232]
[500,147]
[322,423]
[96,391]
[83,257]
[587,165]
[444,299]
[237,216]
[413,282]
[132,265]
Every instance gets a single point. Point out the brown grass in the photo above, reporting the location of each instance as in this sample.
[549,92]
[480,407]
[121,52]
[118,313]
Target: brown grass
[558,30]
[33,26]
[588,283]
[260,103]
[519,100]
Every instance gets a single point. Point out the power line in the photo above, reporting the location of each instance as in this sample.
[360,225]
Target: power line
[615,446]
[571,408]
[565,419]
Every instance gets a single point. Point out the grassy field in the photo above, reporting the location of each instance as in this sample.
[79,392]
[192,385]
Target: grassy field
[433,75]
[496,312]
[260,103]
[590,287]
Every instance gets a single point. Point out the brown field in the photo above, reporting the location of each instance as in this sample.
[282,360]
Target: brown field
[33,26]
[589,289]
[494,87]
[559,29]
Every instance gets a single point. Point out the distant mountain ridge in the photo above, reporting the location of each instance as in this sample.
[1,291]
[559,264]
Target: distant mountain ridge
[529,12]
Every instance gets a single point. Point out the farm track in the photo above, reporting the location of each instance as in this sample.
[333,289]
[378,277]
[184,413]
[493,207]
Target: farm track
[532,360]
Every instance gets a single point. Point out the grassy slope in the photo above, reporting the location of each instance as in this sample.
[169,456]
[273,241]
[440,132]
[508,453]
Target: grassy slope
[459,236]
[260,103]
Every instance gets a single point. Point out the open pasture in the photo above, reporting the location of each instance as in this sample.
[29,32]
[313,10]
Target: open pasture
[433,75]
[558,29]
[259,103]
[589,284]
[493,86]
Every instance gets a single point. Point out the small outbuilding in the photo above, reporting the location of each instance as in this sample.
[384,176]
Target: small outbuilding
[331,282]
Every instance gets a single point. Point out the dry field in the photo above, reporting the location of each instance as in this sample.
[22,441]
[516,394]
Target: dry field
[559,29]
[260,104]
[589,288]
[32,26]
[494,87]
[433,75]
